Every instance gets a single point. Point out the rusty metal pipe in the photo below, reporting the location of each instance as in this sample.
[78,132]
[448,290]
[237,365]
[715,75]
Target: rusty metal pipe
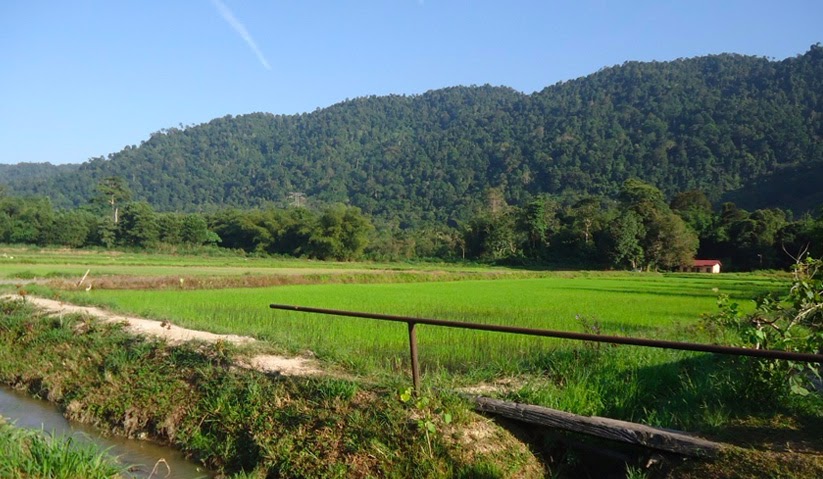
[415,365]
[655,343]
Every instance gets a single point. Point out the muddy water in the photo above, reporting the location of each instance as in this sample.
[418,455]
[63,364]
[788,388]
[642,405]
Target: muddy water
[31,413]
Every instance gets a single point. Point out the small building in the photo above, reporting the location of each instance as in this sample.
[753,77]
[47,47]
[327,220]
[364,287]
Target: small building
[702,266]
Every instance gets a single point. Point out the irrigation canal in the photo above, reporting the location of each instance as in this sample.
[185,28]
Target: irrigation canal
[31,413]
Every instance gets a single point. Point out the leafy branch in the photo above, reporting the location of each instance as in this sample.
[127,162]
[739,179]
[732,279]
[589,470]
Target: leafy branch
[791,322]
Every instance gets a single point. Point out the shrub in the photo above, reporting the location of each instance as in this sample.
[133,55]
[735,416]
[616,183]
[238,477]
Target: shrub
[789,322]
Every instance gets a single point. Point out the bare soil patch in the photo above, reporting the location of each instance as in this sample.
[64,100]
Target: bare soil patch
[269,363]
[498,386]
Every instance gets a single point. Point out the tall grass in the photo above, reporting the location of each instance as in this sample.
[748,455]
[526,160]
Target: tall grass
[36,454]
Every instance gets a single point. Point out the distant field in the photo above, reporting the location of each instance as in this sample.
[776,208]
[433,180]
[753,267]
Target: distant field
[28,264]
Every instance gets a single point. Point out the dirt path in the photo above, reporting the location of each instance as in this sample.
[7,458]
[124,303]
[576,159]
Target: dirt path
[170,333]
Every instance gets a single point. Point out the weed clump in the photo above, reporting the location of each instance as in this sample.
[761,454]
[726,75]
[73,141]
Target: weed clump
[31,454]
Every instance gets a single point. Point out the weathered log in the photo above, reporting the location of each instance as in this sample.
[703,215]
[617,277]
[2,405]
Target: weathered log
[623,431]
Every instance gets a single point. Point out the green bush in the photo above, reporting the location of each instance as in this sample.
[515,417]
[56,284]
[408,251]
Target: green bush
[792,321]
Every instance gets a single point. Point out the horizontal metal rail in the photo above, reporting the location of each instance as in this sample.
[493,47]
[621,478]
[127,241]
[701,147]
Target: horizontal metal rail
[654,343]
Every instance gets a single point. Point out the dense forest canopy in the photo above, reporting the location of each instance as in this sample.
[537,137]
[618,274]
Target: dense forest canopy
[721,124]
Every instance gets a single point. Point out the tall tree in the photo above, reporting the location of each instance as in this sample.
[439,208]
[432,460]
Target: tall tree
[538,219]
[667,242]
[341,233]
[695,209]
[113,191]
[138,225]
[626,234]
[194,230]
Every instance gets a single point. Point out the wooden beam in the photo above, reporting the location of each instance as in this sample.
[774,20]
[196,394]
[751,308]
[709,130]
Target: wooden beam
[623,431]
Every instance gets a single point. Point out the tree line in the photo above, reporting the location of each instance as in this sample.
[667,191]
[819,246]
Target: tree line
[639,229]
[111,219]
[636,229]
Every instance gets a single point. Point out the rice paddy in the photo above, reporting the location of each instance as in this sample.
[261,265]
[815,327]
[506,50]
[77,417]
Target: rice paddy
[627,382]
[29,263]
[642,305]
[684,390]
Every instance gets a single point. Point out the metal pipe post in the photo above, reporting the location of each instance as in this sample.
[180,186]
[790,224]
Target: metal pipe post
[414,363]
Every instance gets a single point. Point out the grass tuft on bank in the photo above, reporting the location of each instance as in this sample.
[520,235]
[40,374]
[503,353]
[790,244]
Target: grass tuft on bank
[28,454]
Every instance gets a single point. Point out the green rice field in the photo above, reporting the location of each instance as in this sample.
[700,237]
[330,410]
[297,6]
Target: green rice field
[646,305]
[717,396]
[655,386]
[660,387]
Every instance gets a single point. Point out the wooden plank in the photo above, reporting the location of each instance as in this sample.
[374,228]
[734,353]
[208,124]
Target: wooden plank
[623,431]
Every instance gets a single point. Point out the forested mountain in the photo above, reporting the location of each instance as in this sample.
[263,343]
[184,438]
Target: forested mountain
[718,123]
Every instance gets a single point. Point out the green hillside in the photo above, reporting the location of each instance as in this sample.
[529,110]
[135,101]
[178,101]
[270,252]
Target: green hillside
[717,123]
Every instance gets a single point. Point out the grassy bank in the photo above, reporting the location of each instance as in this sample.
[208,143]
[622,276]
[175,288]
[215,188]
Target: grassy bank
[240,421]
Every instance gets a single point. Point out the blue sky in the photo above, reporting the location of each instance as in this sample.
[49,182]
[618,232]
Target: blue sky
[85,78]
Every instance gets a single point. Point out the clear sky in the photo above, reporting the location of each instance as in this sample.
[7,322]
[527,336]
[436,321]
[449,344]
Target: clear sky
[84,78]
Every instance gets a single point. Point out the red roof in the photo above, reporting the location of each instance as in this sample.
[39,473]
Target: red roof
[706,262]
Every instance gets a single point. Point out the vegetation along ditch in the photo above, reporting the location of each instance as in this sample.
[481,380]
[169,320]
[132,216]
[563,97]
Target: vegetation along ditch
[29,420]
[243,422]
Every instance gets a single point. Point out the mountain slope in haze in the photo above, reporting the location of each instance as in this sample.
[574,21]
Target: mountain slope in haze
[717,123]
[799,185]
[22,172]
